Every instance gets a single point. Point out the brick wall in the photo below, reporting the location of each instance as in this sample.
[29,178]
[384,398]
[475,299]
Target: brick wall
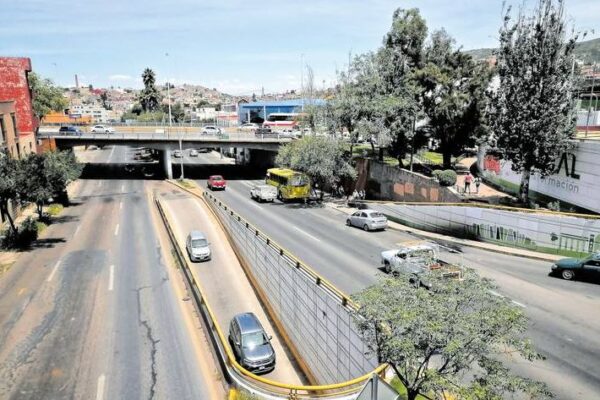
[14,86]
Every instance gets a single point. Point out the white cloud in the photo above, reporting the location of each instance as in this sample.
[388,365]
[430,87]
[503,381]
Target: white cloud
[119,77]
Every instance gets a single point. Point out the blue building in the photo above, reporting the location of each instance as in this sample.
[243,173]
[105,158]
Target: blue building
[259,111]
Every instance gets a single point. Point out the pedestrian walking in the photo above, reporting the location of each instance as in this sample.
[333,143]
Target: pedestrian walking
[477,183]
[468,180]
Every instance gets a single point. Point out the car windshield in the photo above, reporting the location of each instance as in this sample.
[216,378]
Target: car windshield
[254,339]
[196,243]
[376,215]
[298,180]
[217,178]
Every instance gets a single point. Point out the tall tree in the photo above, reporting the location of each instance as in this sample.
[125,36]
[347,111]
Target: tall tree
[449,83]
[8,186]
[46,96]
[450,339]
[533,110]
[321,158]
[149,97]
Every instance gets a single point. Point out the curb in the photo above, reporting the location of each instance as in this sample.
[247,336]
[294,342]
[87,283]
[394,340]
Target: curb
[463,242]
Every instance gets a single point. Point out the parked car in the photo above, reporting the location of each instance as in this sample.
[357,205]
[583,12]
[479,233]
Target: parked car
[197,246]
[248,127]
[102,129]
[263,192]
[368,220]
[418,261]
[265,130]
[571,268]
[211,130]
[216,182]
[204,150]
[69,131]
[193,153]
[251,344]
[177,154]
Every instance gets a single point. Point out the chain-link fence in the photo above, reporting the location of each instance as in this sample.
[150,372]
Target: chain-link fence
[314,314]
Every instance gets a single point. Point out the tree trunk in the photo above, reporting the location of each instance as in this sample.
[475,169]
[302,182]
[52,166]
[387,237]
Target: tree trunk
[447,159]
[524,188]
[381,154]
[481,150]
[372,147]
[411,394]
[4,211]
[40,210]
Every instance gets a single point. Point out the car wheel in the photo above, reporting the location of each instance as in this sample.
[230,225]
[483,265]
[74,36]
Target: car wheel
[567,274]
[348,223]
[366,227]
[387,267]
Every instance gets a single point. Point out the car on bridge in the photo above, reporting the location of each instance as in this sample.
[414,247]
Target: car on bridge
[248,127]
[197,246]
[251,344]
[211,130]
[571,268]
[177,154]
[216,182]
[69,131]
[102,129]
[193,153]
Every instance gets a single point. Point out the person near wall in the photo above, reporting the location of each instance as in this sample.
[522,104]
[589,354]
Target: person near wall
[468,180]
[477,183]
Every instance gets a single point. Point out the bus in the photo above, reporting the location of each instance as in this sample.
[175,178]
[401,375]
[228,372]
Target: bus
[290,184]
[284,120]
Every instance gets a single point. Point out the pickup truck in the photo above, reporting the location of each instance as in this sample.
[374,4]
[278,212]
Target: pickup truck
[418,260]
[570,268]
[263,192]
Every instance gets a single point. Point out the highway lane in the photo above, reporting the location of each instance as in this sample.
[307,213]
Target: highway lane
[94,312]
[561,312]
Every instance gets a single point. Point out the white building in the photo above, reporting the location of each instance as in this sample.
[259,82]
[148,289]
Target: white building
[99,114]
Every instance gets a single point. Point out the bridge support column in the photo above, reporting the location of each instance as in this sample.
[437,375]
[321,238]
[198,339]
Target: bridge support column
[167,164]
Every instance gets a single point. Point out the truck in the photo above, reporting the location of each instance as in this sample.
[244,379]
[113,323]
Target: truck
[263,192]
[418,260]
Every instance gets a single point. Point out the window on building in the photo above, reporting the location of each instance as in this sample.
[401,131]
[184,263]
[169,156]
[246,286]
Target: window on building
[14,121]
[2,129]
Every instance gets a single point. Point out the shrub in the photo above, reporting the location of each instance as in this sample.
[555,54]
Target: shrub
[446,177]
[554,205]
[55,209]
[27,233]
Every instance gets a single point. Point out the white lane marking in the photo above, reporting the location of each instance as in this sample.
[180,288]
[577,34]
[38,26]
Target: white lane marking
[76,230]
[495,293]
[519,304]
[120,205]
[111,154]
[99,183]
[100,388]
[111,278]
[117,230]
[53,271]
[122,188]
[307,234]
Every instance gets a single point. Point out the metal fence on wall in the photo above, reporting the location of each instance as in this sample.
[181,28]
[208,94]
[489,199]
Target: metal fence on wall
[314,314]
[569,235]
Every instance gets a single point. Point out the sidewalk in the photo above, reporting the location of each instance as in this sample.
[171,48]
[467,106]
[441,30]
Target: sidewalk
[485,192]
[463,242]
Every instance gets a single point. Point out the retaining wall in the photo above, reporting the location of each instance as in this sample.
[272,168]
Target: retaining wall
[555,233]
[315,316]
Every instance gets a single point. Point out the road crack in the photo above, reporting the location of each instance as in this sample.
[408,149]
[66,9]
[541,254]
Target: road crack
[153,343]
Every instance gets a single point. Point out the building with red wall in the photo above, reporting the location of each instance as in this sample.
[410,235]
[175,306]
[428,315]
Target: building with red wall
[14,86]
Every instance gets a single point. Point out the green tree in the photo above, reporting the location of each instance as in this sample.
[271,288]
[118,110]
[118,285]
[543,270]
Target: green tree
[448,339]
[104,100]
[44,176]
[321,158]
[8,186]
[177,111]
[149,97]
[46,96]
[533,110]
[449,82]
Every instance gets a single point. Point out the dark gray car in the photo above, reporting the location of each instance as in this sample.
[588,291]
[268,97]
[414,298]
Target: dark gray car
[251,344]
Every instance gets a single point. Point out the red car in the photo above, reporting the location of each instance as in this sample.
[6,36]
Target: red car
[216,182]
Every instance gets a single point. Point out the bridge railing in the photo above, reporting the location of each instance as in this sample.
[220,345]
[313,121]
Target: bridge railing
[162,134]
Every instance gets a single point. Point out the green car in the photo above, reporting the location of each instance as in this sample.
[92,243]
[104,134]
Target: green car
[569,268]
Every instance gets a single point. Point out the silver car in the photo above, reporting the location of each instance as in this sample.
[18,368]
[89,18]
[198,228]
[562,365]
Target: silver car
[368,220]
[251,344]
[197,246]
[211,130]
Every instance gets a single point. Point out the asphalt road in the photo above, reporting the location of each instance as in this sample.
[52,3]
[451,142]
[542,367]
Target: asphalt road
[94,312]
[564,324]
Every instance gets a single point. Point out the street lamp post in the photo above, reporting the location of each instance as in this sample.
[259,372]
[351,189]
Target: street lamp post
[171,124]
[587,123]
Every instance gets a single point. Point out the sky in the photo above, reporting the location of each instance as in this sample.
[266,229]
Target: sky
[235,46]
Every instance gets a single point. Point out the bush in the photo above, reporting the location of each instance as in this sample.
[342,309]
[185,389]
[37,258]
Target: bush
[26,234]
[446,177]
[55,209]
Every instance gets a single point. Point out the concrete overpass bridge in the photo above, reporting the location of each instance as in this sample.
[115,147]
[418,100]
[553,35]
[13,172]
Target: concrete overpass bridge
[252,149]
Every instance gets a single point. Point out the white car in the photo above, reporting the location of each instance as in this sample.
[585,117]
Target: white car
[263,192]
[102,129]
[211,130]
[177,154]
[249,127]
[193,153]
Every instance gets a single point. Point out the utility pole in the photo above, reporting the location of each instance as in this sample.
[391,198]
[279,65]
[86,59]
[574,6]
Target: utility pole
[302,79]
[171,124]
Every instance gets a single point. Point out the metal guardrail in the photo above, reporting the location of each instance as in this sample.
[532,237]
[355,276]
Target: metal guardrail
[174,136]
[234,372]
